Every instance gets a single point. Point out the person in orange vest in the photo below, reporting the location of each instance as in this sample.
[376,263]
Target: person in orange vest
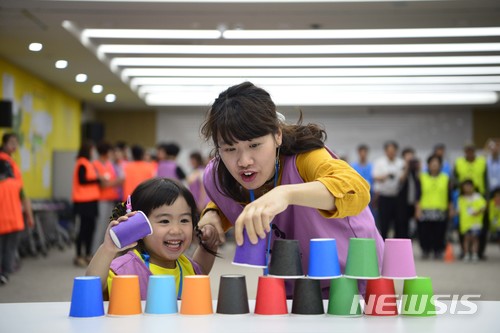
[12,203]
[136,171]
[85,194]
[109,192]
[119,160]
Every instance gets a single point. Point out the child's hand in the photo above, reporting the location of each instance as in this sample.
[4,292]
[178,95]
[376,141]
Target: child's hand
[213,219]
[210,237]
[108,242]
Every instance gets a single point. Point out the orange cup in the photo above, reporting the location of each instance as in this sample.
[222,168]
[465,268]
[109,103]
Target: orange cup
[125,296]
[196,295]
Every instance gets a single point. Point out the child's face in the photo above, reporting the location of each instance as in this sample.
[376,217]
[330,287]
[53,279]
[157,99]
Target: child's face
[172,232]
[251,162]
[468,189]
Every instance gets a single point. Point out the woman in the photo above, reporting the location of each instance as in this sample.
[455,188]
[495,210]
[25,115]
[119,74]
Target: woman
[85,194]
[433,208]
[266,171]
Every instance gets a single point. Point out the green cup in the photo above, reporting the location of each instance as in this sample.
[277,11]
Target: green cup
[417,298]
[344,298]
[362,260]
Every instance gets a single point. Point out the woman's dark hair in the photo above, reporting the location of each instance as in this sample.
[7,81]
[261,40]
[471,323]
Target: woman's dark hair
[6,137]
[434,157]
[137,153]
[197,157]
[244,112]
[154,193]
[103,148]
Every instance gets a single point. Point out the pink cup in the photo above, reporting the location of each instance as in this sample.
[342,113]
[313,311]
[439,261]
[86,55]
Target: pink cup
[398,262]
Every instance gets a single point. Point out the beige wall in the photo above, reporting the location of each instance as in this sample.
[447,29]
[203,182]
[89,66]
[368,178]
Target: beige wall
[133,127]
[486,124]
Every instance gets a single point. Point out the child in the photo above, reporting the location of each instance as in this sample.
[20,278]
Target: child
[494,213]
[172,212]
[471,207]
[266,170]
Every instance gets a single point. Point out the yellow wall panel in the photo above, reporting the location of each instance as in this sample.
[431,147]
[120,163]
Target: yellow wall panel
[45,119]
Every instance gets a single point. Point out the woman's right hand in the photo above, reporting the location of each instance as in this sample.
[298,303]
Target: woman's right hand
[108,243]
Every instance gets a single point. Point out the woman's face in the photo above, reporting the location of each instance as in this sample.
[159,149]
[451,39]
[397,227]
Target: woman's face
[172,232]
[434,166]
[251,162]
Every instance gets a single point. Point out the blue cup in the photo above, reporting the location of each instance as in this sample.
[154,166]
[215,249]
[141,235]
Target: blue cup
[323,259]
[162,297]
[86,298]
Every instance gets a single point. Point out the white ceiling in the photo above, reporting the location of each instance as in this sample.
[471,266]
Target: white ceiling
[23,21]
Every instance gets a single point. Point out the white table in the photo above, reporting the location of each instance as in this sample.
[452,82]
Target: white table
[53,317]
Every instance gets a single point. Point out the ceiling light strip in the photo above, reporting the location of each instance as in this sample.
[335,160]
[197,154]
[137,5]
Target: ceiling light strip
[297,49]
[319,72]
[362,33]
[304,81]
[309,98]
[336,88]
[303,62]
[151,33]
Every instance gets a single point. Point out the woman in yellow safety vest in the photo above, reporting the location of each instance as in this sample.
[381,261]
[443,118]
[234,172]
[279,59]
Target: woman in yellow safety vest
[433,208]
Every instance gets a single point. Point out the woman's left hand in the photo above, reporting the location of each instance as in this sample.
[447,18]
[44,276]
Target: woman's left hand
[258,215]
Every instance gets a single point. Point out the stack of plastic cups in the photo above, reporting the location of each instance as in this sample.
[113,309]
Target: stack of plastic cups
[323,265]
[398,264]
[361,264]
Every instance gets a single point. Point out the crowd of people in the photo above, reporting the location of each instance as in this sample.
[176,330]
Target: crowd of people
[100,183]
[438,197]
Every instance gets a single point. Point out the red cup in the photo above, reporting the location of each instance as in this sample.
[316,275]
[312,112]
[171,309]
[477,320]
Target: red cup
[380,298]
[271,296]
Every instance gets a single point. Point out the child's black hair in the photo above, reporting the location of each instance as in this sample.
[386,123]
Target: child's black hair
[156,192]
[467,182]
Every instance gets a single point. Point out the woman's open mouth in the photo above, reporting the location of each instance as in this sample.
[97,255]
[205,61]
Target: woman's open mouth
[248,176]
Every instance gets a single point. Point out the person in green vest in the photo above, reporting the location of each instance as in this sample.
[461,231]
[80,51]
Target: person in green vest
[473,167]
[494,213]
[471,208]
[433,208]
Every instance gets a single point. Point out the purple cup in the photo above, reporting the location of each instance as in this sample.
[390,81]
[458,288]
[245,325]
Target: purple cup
[251,255]
[131,230]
